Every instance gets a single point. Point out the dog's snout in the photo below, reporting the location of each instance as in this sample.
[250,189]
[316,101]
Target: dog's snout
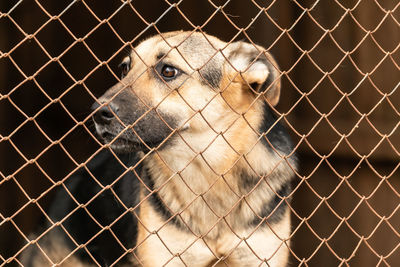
[104,114]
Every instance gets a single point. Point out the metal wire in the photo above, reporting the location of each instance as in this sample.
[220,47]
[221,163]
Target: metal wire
[219,8]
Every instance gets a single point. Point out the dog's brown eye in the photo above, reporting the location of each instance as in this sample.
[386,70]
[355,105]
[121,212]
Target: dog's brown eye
[125,67]
[168,72]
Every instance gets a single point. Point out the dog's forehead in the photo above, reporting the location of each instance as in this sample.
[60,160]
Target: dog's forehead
[195,48]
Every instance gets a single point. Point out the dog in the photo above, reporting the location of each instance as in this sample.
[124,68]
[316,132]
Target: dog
[80,225]
[213,165]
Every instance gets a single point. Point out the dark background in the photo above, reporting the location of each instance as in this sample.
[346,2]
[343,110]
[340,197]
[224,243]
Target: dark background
[340,97]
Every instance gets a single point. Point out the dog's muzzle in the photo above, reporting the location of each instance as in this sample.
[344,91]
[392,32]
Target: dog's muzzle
[104,115]
[109,127]
[131,127]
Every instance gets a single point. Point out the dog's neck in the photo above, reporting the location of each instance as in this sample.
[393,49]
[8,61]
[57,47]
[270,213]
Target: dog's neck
[219,169]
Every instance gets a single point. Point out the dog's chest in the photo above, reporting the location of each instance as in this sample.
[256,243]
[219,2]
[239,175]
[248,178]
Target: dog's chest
[200,197]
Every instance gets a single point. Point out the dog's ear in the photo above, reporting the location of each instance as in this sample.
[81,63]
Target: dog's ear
[255,68]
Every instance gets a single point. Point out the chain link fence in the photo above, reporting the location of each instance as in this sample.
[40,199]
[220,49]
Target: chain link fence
[340,98]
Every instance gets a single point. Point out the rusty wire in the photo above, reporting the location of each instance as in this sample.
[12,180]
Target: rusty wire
[303,180]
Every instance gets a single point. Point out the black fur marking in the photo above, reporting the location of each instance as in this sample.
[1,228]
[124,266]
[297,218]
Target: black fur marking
[211,75]
[277,135]
[105,208]
[277,205]
[158,204]
[160,55]
[248,181]
[151,129]
[210,71]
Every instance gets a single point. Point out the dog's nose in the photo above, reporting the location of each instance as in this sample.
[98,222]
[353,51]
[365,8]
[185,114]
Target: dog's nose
[105,114]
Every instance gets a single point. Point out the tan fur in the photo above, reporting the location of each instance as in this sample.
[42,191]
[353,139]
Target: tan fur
[197,175]
[200,180]
[55,250]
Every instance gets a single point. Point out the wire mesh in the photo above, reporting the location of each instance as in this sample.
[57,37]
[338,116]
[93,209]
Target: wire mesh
[339,69]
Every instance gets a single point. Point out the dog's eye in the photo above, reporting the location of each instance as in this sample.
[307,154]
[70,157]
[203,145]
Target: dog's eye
[124,66]
[169,72]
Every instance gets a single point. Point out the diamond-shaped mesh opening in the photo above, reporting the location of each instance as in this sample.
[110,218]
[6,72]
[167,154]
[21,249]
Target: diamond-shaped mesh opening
[53,81]
[23,144]
[55,27]
[59,171]
[41,185]
[367,22]
[274,143]
[29,89]
[78,20]
[26,65]
[123,20]
[29,24]
[15,34]
[78,51]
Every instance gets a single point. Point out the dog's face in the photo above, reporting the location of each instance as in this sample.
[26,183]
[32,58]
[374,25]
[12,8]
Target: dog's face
[184,83]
